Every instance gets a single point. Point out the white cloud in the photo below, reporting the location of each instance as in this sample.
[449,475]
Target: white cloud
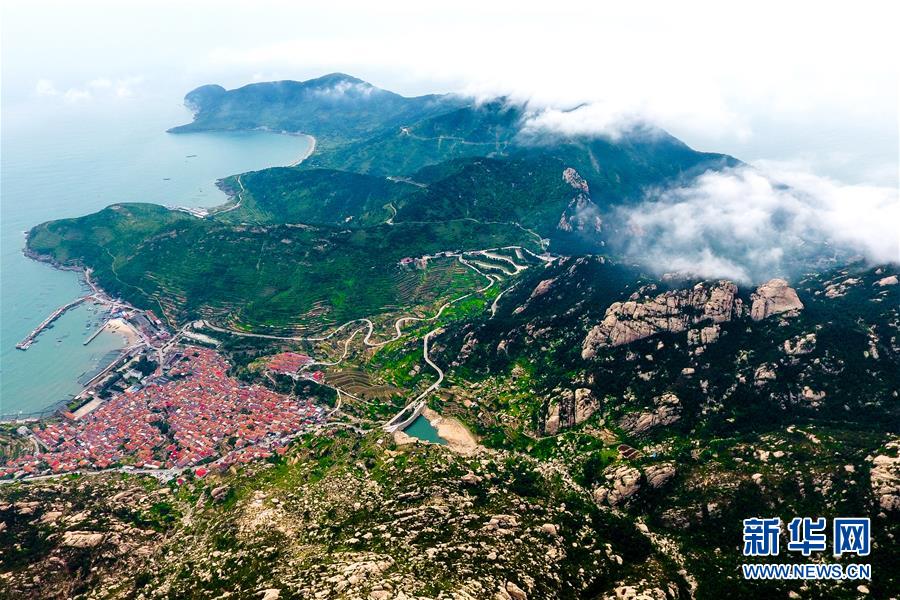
[773,79]
[599,118]
[98,88]
[751,224]
[77,95]
[346,88]
[45,87]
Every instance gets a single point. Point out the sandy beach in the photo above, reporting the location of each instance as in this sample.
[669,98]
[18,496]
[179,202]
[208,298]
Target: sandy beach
[312,148]
[121,327]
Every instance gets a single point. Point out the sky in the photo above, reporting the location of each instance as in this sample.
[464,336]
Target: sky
[806,92]
[815,83]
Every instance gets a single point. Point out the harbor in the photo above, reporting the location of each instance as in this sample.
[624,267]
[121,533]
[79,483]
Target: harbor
[29,339]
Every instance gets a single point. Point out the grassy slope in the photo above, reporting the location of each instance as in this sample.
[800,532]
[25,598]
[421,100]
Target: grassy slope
[263,277]
[314,197]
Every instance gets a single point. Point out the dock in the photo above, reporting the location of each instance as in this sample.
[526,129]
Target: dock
[126,355]
[96,333]
[29,339]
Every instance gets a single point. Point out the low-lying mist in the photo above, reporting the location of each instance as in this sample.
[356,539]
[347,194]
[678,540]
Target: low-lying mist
[750,224]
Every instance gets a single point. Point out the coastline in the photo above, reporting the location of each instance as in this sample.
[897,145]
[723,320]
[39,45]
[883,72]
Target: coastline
[312,148]
[232,193]
[128,335]
[121,327]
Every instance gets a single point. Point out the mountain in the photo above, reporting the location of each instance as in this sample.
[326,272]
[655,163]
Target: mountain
[334,106]
[473,130]
[607,429]
[282,279]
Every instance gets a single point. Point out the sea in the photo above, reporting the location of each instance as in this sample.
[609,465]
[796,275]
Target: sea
[59,160]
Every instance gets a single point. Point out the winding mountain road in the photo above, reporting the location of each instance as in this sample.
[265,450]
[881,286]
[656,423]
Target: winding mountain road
[416,405]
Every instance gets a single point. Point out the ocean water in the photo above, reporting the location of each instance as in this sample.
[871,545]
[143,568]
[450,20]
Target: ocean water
[62,161]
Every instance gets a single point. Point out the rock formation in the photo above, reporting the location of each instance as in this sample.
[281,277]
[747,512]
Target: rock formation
[581,214]
[573,178]
[885,478]
[800,345]
[667,410]
[773,298]
[569,409]
[623,482]
[660,474]
[642,316]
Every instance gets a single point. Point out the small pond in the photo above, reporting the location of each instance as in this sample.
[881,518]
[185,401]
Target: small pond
[423,429]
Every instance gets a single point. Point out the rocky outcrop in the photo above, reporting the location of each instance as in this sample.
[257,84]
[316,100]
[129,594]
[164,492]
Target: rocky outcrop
[667,410]
[885,281]
[763,374]
[581,214]
[775,297]
[585,405]
[802,344]
[840,288]
[468,346]
[542,288]
[704,336]
[573,178]
[660,474]
[515,592]
[551,421]
[674,311]
[622,482]
[885,477]
[569,408]
[82,539]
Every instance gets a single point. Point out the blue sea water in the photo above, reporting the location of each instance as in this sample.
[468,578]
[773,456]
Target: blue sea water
[60,161]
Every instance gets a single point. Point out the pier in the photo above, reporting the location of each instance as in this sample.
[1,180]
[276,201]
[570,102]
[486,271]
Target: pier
[96,333]
[29,339]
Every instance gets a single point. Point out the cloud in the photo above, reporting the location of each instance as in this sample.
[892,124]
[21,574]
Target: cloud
[99,88]
[753,223]
[77,95]
[598,118]
[45,87]
[345,89]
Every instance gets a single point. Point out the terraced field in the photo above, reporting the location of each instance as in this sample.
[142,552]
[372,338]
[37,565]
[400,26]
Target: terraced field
[278,280]
[358,383]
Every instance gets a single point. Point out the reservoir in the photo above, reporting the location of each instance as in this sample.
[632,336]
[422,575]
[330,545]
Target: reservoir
[63,160]
[423,429]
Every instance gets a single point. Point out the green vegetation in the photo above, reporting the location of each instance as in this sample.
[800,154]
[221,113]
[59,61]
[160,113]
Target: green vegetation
[336,106]
[469,131]
[279,278]
[314,197]
[564,471]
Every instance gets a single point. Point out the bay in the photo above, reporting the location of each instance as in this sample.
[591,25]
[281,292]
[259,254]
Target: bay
[62,161]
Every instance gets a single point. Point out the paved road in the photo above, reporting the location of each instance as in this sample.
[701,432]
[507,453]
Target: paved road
[236,205]
[398,331]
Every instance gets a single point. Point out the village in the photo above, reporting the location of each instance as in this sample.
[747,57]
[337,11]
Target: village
[184,413]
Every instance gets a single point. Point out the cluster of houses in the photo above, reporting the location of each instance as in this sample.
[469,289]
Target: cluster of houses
[195,414]
[288,362]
